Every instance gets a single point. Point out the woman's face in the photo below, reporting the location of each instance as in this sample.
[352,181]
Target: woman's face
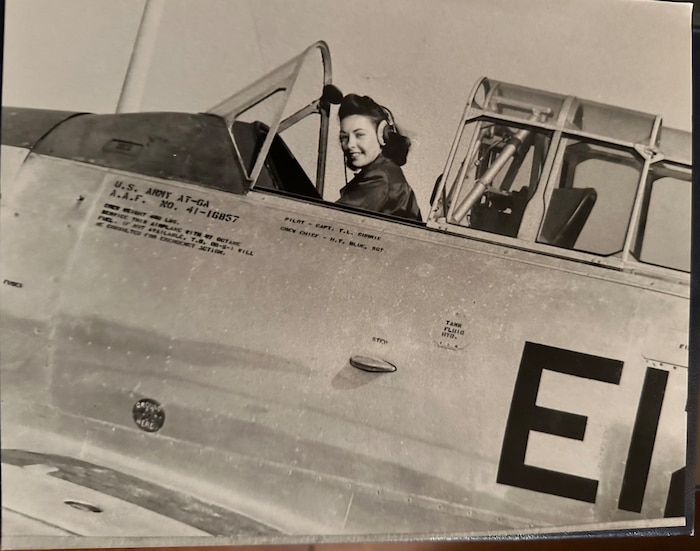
[358,138]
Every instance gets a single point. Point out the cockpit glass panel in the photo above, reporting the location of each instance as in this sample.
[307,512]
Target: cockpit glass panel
[282,169]
[491,184]
[591,207]
[301,140]
[251,126]
[524,103]
[611,122]
[455,171]
[676,145]
[664,234]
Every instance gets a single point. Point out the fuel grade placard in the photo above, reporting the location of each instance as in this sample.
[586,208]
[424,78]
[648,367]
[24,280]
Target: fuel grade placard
[143,209]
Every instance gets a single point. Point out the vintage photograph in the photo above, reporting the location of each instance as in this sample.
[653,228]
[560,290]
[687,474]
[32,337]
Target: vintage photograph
[310,271]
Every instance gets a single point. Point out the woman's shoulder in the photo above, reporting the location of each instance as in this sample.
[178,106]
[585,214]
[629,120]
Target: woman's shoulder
[385,168]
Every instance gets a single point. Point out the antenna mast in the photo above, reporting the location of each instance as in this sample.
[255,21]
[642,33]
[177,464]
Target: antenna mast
[137,71]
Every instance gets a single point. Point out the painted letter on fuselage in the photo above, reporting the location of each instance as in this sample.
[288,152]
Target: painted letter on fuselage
[525,416]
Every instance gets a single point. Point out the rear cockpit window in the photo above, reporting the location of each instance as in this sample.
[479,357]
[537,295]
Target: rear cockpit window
[591,207]
[493,180]
[567,177]
[665,224]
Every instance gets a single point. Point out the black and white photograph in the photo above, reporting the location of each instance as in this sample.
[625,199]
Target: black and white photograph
[312,271]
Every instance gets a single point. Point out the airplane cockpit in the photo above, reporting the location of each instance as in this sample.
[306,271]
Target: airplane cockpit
[550,170]
[535,170]
[266,118]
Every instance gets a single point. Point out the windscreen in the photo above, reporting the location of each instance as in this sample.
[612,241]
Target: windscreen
[275,103]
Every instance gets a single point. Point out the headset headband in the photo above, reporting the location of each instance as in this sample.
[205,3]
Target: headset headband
[389,118]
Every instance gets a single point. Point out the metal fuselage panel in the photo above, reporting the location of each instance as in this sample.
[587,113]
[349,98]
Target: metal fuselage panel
[239,316]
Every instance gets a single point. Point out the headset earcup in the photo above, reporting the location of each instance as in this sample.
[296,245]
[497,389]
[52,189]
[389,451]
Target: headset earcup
[382,131]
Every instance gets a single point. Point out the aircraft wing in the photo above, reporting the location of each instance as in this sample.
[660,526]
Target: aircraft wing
[49,494]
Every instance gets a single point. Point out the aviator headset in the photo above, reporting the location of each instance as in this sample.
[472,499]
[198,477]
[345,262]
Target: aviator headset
[386,127]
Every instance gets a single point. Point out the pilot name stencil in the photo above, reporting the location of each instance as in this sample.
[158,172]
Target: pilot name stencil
[332,233]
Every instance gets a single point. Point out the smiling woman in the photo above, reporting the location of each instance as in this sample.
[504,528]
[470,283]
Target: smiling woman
[375,148]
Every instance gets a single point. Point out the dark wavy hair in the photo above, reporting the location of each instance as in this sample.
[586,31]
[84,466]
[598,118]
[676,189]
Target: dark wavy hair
[397,145]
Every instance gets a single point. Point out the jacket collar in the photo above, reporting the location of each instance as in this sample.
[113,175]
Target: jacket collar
[380,160]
